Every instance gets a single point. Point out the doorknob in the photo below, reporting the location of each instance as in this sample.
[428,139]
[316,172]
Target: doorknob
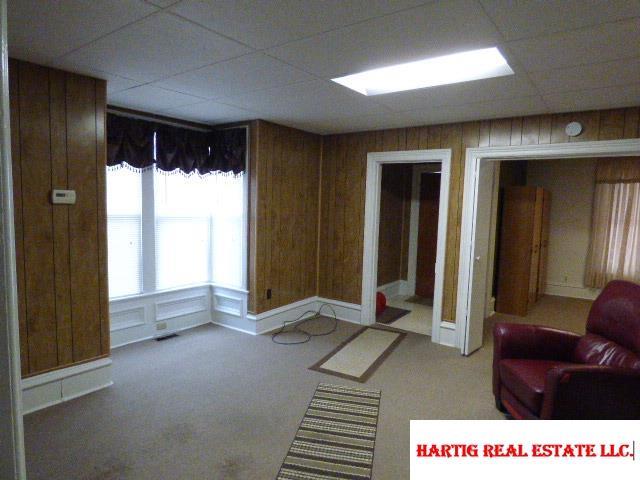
[477,259]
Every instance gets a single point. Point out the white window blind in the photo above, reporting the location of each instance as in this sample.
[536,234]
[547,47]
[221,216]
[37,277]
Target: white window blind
[124,232]
[227,231]
[198,236]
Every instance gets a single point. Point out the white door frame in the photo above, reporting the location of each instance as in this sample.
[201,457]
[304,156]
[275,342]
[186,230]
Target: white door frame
[375,160]
[474,157]
[12,462]
[414,222]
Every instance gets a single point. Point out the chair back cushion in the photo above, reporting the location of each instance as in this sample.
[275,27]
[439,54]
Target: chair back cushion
[615,315]
[613,328]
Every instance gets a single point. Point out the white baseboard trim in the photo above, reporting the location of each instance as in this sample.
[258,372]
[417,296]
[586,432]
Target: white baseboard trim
[232,327]
[65,384]
[393,289]
[267,322]
[571,291]
[348,312]
[273,319]
[448,334]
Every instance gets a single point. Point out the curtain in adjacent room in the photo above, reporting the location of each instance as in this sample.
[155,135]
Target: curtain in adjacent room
[614,251]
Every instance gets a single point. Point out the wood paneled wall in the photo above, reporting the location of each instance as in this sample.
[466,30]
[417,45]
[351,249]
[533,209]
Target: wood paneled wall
[58,141]
[395,209]
[283,217]
[343,183]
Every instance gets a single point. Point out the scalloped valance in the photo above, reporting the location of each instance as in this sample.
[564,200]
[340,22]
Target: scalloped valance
[143,144]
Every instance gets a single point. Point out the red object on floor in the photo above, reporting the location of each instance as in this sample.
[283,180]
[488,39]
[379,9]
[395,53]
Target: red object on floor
[381,303]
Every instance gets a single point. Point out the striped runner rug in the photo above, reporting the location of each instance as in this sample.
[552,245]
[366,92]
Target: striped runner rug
[336,437]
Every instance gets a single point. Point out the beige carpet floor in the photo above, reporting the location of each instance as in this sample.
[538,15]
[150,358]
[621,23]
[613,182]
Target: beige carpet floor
[217,404]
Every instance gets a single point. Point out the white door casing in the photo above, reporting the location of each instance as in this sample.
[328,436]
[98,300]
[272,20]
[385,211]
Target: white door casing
[472,294]
[375,160]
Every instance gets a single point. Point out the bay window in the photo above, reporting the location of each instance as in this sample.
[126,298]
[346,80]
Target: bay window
[176,208]
[196,230]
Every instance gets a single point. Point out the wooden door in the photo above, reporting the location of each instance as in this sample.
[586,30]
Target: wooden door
[544,242]
[427,234]
[535,247]
[515,250]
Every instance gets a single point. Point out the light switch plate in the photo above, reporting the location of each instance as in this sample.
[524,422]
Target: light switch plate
[65,197]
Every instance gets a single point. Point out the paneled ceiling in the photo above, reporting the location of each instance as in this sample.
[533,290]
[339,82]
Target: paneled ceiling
[219,61]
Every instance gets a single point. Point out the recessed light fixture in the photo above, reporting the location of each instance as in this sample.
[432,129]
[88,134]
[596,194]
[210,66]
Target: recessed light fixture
[430,72]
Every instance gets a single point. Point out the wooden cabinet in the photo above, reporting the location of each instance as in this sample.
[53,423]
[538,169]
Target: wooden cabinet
[58,142]
[523,249]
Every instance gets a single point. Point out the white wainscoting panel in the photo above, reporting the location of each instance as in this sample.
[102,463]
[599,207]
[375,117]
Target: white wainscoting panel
[61,385]
[145,316]
[127,318]
[166,309]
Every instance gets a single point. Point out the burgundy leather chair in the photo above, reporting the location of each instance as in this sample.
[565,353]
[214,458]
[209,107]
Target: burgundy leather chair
[545,373]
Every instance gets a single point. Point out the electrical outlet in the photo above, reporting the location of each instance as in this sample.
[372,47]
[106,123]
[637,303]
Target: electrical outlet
[161,326]
[565,279]
[268,294]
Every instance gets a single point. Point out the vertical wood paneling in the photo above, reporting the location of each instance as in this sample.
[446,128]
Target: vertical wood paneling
[254,204]
[632,123]
[101,205]
[37,221]
[545,129]
[558,124]
[83,217]
[485,133]
[17,209]
[452,138]
[612,124]
[500,133]
[516,131]
[59,169]
[284,184]
[530,130]
[58,142]
[352,253]
[340,285]
[590,125]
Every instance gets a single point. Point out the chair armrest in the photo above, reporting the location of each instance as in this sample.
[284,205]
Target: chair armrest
[591,392]
[516,340]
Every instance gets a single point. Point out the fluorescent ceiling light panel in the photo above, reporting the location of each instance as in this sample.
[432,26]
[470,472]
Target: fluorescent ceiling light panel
[456,68]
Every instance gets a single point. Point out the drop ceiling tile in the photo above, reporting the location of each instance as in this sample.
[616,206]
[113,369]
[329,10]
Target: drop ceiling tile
[611,97]
[159,46]
[517,20]
[40,30]
[306,100]
[584,77]
[264,24]
[162,3]
[438,28]
[210,112]
[460,93]
[611,41]
[479,111]
[151,99]
[239,75]
[326,126]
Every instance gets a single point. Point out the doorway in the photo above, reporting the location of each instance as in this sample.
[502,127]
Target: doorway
[407,245]
[476,233]
[440,159]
